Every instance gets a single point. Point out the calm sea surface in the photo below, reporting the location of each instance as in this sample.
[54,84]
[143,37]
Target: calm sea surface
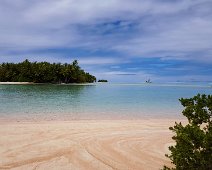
[98,101]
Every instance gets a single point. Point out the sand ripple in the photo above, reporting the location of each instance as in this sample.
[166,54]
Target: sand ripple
[118,144]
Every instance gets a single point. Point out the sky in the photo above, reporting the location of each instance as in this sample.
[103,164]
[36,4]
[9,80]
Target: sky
[118,40]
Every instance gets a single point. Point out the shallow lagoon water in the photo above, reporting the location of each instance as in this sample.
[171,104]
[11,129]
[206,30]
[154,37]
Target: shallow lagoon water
[95,101]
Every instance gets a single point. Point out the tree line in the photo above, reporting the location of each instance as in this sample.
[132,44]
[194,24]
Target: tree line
[44,72]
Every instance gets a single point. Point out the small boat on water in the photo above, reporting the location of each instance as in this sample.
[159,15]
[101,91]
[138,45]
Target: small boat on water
[148,81]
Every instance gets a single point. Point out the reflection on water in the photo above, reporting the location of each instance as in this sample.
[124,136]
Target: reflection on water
[94,101]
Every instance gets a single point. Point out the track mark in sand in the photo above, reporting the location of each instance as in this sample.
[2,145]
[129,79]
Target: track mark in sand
[104,162]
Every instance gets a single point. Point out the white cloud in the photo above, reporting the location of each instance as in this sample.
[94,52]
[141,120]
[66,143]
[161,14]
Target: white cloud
[146,28]
[98,60]
[52,23]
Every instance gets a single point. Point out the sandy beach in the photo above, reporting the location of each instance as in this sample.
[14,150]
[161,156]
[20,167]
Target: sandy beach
[85,144]
[16,83]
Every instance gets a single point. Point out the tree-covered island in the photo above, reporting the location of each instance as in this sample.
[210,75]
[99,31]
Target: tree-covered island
[102,81]
[44,72]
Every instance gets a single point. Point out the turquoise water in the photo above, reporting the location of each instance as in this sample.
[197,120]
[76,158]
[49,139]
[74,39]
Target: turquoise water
[97,101]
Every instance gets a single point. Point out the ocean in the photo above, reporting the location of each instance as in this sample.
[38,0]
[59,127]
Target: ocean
[95,101]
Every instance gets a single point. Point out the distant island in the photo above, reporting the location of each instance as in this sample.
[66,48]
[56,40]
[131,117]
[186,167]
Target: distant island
[102,80]
[44,72]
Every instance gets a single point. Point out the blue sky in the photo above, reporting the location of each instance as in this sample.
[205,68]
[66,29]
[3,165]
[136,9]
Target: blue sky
[119,40]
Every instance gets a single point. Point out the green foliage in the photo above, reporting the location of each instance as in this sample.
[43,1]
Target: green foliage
[193,149]
[44,72]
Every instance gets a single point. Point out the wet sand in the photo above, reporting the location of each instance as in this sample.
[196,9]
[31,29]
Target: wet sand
[85,144]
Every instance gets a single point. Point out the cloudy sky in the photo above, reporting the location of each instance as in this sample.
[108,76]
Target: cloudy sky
[120,40]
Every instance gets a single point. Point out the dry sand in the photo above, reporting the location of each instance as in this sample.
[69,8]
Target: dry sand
[6,83]
[85,144]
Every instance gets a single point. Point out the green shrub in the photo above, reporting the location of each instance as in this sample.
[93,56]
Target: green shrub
[193,148]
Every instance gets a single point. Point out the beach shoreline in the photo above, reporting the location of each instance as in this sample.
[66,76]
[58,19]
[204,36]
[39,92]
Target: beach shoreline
[32,83]
[85,144]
